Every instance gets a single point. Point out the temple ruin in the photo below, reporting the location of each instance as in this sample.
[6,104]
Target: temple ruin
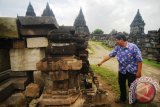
[149,43]
[44,64]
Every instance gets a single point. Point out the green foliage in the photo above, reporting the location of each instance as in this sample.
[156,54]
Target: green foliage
[110,77]
[97,31]
[152,63]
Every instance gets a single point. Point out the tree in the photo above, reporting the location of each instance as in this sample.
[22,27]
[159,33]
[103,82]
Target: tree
[98,31]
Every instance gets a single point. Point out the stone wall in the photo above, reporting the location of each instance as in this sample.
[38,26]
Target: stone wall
[4,60]
[151,45]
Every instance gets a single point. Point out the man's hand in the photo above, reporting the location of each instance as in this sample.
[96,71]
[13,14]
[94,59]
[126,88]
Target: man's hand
[99,64]
[107,57]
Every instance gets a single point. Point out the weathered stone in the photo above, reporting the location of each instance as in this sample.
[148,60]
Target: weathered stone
[28,25]
[38,79]
[60,85]
[62,49]
[146,40]
[153,50]
[148,45]
[19,44]
[4,75]
[20,83]
[63,64]
[25,59]
[32,90]
[37,42]
[73,80]
[4,60]
[16,100]
[58,100]
[6,89]
[8,27]
[58,75]
[18,74]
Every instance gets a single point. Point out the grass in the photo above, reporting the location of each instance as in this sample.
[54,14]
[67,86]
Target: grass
[110,77]
[152,63]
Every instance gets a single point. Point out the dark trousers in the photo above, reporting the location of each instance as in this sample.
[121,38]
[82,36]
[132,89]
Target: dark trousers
[122,83]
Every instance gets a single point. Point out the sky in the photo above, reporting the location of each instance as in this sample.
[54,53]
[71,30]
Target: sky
[102,14]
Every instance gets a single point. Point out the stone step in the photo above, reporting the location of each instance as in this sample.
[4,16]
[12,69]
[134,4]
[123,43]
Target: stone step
[20,83]
[6,89]
[11,84]
[18,74]
[4,75]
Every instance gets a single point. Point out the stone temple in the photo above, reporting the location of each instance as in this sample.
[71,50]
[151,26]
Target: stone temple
[43,64]
[30,10]
[137,29]
[80,25]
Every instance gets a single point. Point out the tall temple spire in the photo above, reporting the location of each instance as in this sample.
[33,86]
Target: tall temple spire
[80,24]
[80,21]
[30,10]
[137,25]
[47,11]
[138,21]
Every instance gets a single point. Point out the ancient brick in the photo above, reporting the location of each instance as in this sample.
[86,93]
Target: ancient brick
[20,83]
[38,79]
[19,44]
[25,59]
[16,100]
[37,42]
[32,90]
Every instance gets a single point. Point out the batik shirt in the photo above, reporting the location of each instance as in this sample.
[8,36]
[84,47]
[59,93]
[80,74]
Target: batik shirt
[127,57]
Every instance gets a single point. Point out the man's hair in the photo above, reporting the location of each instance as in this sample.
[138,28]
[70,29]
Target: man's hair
[121,36]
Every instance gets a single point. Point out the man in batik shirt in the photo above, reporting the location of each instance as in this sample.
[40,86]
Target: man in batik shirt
[130,64]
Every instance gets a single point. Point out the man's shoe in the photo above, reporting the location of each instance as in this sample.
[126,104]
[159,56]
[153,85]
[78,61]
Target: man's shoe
[118,100]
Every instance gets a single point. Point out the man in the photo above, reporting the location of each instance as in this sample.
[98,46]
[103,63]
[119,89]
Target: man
[130,64]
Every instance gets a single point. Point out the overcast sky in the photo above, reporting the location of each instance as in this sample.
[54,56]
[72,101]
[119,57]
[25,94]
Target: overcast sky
[103,14]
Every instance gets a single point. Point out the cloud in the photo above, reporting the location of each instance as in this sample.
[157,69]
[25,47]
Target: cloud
[103,14]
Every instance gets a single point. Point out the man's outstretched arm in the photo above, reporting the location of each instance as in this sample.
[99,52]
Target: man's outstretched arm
[107,57]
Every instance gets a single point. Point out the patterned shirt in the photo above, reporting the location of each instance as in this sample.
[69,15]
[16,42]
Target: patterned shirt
[127,57]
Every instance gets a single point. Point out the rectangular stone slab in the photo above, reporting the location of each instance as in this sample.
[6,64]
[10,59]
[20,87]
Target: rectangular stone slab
[25,59]
[37,42]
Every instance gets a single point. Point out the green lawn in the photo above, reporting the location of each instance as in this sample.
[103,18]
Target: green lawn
[151,63]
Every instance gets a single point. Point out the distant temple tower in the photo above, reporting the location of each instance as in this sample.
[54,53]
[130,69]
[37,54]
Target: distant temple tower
[47,11]
[30,10]
[80,24]
[137,25]
[137,30]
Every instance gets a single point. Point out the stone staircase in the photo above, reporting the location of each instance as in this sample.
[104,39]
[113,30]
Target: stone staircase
[10,82]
